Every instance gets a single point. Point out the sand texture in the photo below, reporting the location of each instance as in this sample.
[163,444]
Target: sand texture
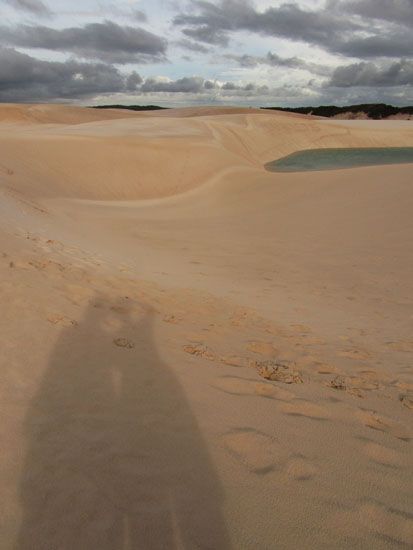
[197,353]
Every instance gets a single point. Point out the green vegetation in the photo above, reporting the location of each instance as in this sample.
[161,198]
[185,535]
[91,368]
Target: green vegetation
[372,110]
[130,107]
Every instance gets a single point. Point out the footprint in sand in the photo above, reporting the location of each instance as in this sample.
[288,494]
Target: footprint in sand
[61,320]
[258,452]
[241,386]
[378,422]
[200,350]
[278,372]
[354,385]
[395,525]
[305,409]
[123,343]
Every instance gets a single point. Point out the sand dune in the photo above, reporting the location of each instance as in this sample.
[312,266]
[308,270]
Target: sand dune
[57,114]
[141,157]
[197,353]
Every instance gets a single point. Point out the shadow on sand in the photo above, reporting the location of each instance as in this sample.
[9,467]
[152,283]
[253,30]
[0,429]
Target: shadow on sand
[115,459]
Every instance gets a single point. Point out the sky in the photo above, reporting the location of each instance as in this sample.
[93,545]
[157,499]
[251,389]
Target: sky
[207,52]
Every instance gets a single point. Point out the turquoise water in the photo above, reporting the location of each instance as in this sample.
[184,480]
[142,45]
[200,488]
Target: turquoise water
[333,159]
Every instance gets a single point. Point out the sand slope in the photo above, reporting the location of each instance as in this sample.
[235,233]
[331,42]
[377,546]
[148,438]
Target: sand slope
[197,353]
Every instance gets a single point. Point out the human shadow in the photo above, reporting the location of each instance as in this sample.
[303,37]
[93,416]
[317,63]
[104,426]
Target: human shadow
[115,459]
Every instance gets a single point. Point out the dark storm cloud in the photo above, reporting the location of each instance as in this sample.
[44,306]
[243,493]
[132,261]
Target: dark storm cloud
[399,73]
[274,60]
[386,44]
[106,41]
[37,7]
[24,78]
[395,11]
[364,28]
[213,21]
[191,84]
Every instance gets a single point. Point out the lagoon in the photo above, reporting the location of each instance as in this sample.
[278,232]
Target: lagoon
[337,159]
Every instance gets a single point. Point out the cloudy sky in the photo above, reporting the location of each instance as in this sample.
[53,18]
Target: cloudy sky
[182,52]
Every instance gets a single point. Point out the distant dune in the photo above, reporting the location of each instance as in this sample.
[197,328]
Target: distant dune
[56,114]
[196,352]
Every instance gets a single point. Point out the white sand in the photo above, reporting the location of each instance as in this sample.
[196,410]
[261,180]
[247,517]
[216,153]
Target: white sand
[150,267]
